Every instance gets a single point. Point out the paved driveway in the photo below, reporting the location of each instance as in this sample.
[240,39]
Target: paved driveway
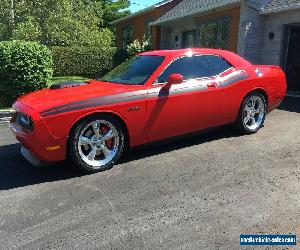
[201,192]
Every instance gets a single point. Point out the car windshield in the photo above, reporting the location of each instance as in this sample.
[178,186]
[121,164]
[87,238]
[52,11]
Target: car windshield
[135,71]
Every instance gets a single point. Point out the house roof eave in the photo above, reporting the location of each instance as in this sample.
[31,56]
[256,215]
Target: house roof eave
[195,13]
[133,15]
[143,11]
[281,9]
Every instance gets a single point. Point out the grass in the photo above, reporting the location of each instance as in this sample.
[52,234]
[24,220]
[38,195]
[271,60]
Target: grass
[67,79]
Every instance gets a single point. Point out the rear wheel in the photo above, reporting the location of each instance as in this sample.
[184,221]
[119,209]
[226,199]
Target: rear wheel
[252,113]
[97,143]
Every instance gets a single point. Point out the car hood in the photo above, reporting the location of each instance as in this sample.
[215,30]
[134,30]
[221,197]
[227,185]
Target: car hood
[50,98]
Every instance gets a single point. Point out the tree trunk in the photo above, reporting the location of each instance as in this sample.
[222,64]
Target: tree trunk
[12,15]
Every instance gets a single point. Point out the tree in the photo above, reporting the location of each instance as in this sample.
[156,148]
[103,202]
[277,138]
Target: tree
[5,20]
[60,22]
[114,10]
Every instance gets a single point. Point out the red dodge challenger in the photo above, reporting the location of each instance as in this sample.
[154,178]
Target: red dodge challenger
[153,96]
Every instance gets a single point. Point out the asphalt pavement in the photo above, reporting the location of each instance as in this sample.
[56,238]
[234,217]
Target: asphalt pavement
[199,191]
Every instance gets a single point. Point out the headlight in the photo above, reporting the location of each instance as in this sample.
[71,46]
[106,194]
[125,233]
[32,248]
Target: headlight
[26,121]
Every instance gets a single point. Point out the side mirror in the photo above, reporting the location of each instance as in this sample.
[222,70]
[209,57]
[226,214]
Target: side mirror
[175,79]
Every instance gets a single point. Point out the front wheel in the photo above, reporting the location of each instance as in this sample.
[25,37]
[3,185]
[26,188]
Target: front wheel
[252,113]
[97,143]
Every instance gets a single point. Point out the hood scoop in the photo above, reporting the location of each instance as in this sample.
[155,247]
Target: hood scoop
[64,85]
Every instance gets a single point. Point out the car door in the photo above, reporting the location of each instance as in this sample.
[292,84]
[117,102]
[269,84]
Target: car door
[231,82]
[186,107]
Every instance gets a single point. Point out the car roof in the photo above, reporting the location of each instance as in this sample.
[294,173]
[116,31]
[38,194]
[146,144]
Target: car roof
[233,58]
[179,52]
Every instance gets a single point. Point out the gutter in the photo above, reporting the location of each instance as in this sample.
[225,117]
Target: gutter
[134,14]
[284,8]
[196,12]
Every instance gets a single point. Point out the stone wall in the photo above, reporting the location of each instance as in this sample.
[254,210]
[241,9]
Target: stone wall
[254,43]
[272,49]
[251,32]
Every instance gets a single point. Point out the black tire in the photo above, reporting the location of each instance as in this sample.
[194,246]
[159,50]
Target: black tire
[74,153]
[240,121]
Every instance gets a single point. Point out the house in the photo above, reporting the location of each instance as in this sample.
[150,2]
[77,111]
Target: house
[262,31]
[138,25]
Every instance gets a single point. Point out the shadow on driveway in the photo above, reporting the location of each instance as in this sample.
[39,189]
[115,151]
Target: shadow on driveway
[16,172]
[291,104]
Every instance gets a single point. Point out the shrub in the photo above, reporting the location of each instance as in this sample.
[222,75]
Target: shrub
[24,67]
[82,60]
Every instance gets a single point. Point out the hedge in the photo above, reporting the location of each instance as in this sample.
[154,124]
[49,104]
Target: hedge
[27,66]
[84,61]
[24,67]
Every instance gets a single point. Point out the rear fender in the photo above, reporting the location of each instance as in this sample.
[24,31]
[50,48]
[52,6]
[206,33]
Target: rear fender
[274,80]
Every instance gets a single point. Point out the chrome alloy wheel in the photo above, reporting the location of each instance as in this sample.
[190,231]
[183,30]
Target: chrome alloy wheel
[253,113]
[98,143]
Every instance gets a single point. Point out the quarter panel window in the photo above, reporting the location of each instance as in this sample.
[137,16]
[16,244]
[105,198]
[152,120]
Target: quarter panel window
[189,67]
[218,64]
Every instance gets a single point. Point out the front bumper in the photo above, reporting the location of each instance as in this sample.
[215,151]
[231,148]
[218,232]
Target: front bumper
[31,158]
[39,146]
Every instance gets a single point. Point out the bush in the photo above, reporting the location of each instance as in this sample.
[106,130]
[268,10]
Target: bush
[24,67]
[82,60]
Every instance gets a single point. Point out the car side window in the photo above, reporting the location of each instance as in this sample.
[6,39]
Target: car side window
[218,64]
[189,67]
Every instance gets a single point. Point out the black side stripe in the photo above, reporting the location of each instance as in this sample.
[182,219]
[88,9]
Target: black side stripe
[164,93]
[91,105]
[119,97]
[158,92]
[108,100]
[239,77]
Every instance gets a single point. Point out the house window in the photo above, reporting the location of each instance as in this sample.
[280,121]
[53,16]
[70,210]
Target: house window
[127,36]
[215,34]
[148,32]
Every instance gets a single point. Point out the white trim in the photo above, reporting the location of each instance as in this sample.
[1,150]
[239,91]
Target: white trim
[133,15]
[283,8]
[162,3]
[195,12]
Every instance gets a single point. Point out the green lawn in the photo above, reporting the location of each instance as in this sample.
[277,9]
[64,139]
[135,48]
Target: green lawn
[67,79]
